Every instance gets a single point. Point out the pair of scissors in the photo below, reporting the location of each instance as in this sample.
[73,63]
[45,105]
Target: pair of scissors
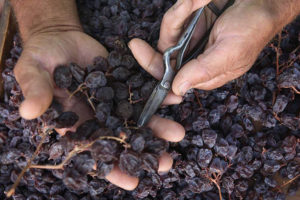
[161,90]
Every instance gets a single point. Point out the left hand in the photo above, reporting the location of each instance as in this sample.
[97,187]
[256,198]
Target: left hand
[42,52]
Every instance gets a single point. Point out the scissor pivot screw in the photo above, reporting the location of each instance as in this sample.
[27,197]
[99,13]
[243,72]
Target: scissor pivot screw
[167,84]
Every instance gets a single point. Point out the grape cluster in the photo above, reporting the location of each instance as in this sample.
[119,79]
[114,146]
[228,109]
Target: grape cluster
[110,138]
[241,139]
[115,92]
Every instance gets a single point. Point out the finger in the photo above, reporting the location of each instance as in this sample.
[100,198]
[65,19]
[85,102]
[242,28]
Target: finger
[152,62]
[174,19]
[91,50]
[122,180]
[172,99]
[222,79]
[165,163]
[36,86]
[216,60]
[166,129]
[147,57]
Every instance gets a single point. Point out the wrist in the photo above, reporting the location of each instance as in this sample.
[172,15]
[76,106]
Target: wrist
[36,16]
[281,12]
[47,26]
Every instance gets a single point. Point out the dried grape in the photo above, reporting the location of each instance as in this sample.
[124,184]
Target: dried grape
[239,135]
[62,76]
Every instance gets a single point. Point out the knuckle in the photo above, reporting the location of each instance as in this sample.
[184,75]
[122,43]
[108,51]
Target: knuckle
[205,72]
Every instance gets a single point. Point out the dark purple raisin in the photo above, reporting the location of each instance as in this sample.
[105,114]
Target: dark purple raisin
[130,163]
[62,76]
[95,79]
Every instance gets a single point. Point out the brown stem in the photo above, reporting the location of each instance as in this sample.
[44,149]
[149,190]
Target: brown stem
[78,149]
[216,181]
[276,117]
[197,98]
[218,186]
[295,90]
[61,165]
[93,174]
[291,62]
[13,188]
[80,88]
[130,94]
[132,127]
[90,100]
[136,101]
[290,181]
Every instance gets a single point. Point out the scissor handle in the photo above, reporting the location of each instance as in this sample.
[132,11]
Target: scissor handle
[169,74]
[181,47]
[186,37]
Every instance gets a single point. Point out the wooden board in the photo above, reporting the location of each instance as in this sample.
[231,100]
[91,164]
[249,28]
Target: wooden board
[7,32]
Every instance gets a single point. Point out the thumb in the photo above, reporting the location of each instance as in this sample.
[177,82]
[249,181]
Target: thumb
[174,20]
[219,64]
[36,86]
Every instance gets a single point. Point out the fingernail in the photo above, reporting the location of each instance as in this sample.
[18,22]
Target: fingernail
[184,87]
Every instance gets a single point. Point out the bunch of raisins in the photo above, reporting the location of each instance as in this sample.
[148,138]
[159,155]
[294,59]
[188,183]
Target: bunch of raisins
[241,139]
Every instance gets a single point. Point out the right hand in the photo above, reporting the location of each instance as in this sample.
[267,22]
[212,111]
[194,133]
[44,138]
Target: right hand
[237,38]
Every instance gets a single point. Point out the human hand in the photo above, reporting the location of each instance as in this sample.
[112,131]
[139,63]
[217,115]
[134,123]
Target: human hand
[236,39]
[55,38]
[42,52]
[34,72]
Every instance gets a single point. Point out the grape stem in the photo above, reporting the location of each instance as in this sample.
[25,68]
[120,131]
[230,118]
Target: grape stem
[197,98]
[129,127]
[276,117]
[295,90]
[131,95]
[75,151]
[290,181]
[80,88]
[15,185]
[78,149]
[90,100]
[216,180]
[291,61]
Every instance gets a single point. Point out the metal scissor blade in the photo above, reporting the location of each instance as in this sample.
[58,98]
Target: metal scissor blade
[155,100]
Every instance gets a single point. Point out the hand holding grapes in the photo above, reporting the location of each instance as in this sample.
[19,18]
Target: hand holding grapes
[236,39]
[34,70]
[58,41]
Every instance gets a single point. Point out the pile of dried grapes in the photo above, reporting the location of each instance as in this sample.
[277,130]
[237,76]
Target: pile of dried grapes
[241,139]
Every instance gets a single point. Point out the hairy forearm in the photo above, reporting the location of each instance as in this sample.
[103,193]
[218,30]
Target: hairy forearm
[45,15]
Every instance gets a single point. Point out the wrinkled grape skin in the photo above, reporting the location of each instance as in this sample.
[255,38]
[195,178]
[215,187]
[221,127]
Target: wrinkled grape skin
[62,76]
[241,135]
[130,163]
[66,120]
[95,79]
